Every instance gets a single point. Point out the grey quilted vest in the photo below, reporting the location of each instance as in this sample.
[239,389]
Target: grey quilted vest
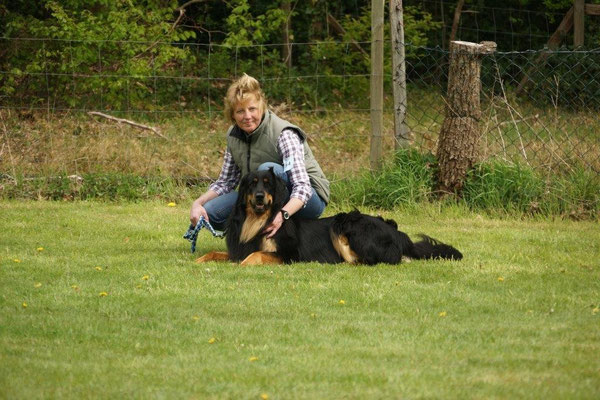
[250,151]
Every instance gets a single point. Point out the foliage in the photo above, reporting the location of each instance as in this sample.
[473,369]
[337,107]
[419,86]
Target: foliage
[496,185]
[244,29]
[337,60]
[120,44]
[126,55]
[408,180]
[570,80]
[493,186]
[93,186]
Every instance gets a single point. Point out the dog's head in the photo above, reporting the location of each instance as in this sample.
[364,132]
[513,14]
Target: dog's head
[262,191]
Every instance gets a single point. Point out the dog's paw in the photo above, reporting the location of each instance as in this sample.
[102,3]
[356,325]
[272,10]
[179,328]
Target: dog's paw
[213,256]
[261,258]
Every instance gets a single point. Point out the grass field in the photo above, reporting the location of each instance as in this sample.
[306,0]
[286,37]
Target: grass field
[103,300]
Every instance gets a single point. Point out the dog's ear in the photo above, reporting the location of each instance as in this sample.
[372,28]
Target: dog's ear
[281,192]
[243,190]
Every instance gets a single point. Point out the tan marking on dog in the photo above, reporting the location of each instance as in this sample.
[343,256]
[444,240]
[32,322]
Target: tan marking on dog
[268,245]
[261,258]
[269,200]
[213,256]
[253,224]
[340,243]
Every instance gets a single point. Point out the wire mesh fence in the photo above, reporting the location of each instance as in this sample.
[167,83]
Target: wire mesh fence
[539,107]
[513,29]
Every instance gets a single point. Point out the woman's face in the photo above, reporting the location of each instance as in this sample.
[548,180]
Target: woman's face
[247,115]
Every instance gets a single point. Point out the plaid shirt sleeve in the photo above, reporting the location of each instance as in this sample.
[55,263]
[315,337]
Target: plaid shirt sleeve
[229,176]
[290,147]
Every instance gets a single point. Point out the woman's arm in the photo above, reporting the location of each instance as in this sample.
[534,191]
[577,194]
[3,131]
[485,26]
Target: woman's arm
[198,209]
[292,151]
[228,179]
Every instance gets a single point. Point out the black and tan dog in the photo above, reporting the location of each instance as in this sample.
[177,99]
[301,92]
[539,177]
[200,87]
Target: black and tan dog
[346,237]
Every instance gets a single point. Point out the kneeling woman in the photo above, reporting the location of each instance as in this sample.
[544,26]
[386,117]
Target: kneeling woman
[257,140]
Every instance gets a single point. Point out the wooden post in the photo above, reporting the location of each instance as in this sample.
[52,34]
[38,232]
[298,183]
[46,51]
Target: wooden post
[459,136]
[401,131]
[578,22]
[377,7]
[592,9]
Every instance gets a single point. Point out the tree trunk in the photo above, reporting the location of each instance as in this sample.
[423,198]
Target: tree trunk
[458,145]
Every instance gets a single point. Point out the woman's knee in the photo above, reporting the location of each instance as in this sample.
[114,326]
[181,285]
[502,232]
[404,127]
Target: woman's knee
[277,168]
[219,208]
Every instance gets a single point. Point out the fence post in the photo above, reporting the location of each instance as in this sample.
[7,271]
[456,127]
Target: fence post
[376,82]
[458,143]
[401,132]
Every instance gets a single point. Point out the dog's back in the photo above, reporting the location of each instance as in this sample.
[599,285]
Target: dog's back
[375,240]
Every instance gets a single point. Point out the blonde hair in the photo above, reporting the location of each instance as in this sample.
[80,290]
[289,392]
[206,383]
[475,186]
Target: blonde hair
[240,92]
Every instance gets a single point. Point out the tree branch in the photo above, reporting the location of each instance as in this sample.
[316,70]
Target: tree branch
[128,122]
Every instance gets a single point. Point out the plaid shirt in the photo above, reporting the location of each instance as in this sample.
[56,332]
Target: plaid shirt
[288,145]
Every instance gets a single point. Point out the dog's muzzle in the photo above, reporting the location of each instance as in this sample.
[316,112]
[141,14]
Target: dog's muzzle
[259,204]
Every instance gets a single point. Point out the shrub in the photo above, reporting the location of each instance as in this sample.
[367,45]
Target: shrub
[409,179]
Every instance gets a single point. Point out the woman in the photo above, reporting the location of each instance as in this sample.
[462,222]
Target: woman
[257,140]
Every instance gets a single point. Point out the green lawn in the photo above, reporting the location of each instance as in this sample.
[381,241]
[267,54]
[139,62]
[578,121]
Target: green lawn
[101,300]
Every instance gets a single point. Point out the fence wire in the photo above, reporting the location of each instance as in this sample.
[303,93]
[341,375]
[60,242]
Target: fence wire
[539,107]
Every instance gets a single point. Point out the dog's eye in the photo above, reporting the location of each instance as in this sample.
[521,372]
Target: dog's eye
[265,180]
[255,180]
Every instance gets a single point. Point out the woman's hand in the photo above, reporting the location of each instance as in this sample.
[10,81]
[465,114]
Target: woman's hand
[272,229]
[291,207]
[198,209]
[196,212]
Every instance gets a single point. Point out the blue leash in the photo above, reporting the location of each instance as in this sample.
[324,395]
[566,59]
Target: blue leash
[192,233]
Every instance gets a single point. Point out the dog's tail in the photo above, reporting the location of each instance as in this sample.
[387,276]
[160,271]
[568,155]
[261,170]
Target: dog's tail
[428,248]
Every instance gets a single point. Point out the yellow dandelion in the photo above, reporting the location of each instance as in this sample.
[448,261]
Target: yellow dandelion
[98,268]
[40,249]
[342,302]
[74,287]
[24,305]
[139,286]
[500,279]
[212,340]
[17,260]
[37,285]
[595,310]
[442,314]
[253,358]
[264,396]
[196,318]
[145,277]
[102,294]
[171,204]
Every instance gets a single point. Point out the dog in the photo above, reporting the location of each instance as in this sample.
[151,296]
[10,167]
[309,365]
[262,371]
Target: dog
[352,237]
